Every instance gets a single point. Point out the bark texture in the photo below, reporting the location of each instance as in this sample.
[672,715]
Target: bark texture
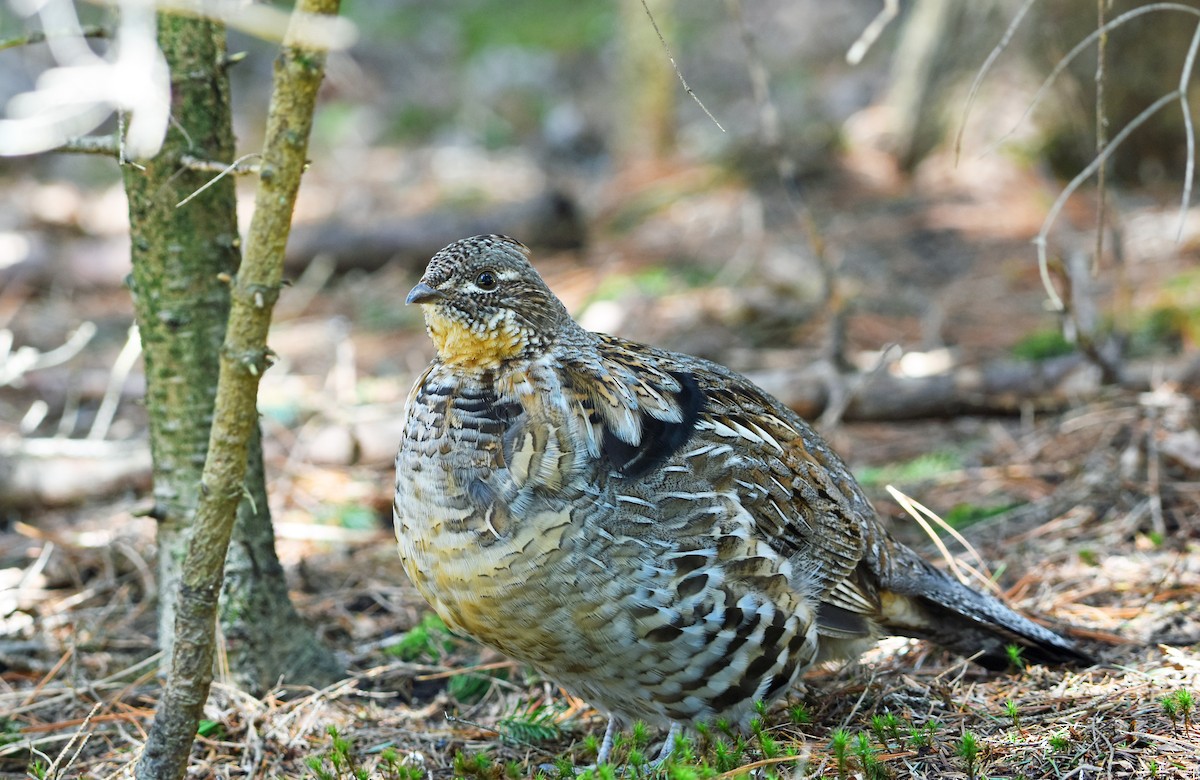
[179,255]
[208,459]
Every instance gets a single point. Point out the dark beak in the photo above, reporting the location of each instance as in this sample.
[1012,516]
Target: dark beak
[423,293]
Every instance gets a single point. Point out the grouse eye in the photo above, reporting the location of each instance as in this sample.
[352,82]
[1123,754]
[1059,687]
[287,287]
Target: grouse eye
[486,280]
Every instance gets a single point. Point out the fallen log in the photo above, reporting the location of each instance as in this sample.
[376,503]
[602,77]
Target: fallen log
[1003,387]
[58,472]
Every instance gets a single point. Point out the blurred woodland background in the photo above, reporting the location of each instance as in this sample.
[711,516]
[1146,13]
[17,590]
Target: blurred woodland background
[858,237]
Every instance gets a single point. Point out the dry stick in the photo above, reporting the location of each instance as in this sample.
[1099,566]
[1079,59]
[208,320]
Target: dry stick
[116,381]
[244,357]
[233,167]
[919,512]
[1056,302]
[40,36]
[873,30]
[1185,78]
[678,73]
[103,145]
[1070,56]
[985,68]
[1101,140]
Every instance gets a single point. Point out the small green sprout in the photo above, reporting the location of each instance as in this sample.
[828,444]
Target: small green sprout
[768,745]
[887,729]
[474,765]
[1015,655]
[640,734]
[529,724]
[1014,713]
[838,743]
[923,737]
[1185,703]
[868,758]
[726,756]
[1170,708]
[799,714]
[968,749]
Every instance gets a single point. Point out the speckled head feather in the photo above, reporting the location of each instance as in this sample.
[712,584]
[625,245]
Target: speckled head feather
[484,303]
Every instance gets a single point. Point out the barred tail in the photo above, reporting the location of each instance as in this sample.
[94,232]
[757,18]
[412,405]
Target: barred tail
[926,603]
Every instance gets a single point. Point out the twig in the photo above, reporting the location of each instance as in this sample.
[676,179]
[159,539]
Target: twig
[259,20]
[212,166]
[1056,303]
[1185,78]
[58,666]
[84,734]
[985,68]
[15,365]
[1070,56]
[919,512]
[678,73]
[231,168]
[748,769]
[116,380]
[465,670]
[785,168]
[103,145]
[872,31]
[837,406]
[1101,139]
[41,36]
[1153,470]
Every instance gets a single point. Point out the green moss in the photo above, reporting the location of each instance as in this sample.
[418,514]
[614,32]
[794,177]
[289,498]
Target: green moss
[1042,344]
[919,469]
[353,516]
[429,640]
[962,515]
[541,24]
[654,281]
[536,24]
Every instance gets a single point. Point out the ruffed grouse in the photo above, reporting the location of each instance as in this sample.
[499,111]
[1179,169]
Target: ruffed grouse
[648,529]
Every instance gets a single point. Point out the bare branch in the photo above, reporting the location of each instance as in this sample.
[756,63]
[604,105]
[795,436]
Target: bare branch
[311,31]
[1056,302]
[233,167]
[872,32]
[14,365]
[1079,47]
[1185,78]
[116,380]
[983,71]
[40,36]
[678,73]
[103,145]
[1101,139]
[243,358]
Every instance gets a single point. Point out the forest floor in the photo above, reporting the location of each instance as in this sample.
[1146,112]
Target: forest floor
[1086,514]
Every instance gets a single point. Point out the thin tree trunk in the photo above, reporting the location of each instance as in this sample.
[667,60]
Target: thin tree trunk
[180,257]
[233,440]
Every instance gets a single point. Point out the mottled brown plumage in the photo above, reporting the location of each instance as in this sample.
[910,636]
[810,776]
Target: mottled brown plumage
[649,529]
